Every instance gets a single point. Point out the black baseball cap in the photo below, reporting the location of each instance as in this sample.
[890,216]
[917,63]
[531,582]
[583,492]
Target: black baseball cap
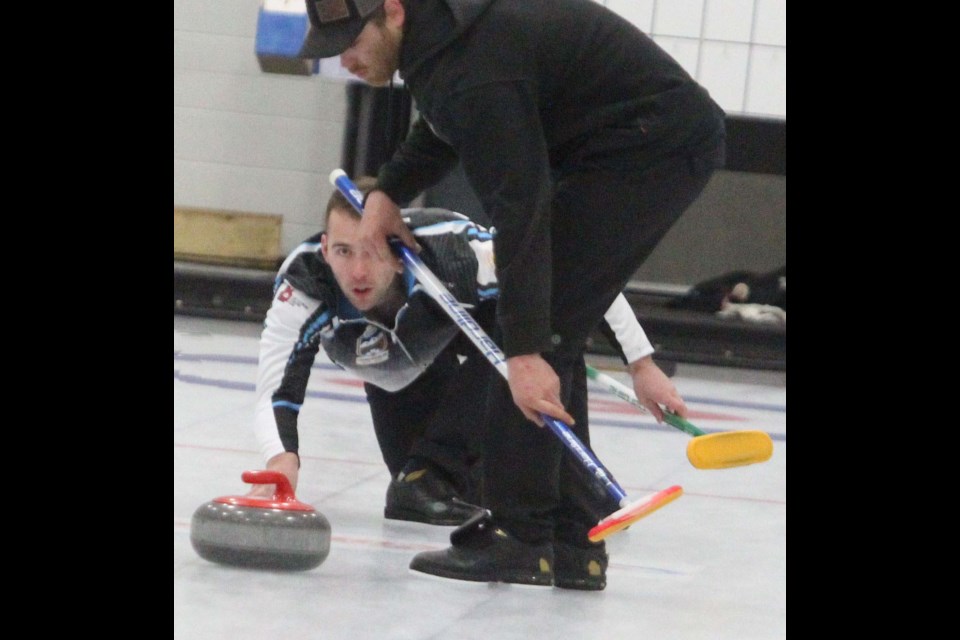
[334,25]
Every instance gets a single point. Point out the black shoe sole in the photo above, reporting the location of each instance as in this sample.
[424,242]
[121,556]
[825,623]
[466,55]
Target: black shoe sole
[416,516]
[524,579]
[580,585]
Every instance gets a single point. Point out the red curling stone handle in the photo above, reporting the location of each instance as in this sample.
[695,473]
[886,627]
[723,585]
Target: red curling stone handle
[283,492]
[282,498]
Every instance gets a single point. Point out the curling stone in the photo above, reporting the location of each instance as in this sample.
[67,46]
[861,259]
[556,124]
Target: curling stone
[278,533]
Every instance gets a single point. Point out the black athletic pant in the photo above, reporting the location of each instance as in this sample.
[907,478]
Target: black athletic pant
[439,416]
[605,223]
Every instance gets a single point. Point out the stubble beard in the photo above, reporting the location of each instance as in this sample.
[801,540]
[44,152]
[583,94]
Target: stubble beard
[390,58]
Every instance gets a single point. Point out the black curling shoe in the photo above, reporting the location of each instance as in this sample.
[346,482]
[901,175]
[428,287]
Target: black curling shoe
[422,496]
[483,552]
[579,568]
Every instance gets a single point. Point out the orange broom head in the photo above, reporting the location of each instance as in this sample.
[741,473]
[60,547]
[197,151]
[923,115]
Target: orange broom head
[623,518]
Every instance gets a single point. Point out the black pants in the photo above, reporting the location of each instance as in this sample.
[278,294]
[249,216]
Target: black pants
[439,417]
[605,223]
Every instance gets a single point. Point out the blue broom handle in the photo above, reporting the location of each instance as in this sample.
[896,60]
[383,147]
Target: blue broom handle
[479,337]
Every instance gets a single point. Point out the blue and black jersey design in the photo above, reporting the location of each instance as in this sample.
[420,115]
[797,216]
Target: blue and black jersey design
[456,250]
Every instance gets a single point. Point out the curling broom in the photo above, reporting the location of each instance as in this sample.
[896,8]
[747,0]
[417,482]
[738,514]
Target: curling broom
[629,512]
[705,451]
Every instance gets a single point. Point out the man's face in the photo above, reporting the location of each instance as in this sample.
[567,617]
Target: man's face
[364,278]
[375,55]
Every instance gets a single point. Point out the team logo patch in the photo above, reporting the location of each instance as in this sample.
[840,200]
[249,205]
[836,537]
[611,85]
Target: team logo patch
[373,347]
[287,295]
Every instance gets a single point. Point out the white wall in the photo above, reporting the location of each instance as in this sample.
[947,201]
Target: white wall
[243,139]
[251,141]
[737,49]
